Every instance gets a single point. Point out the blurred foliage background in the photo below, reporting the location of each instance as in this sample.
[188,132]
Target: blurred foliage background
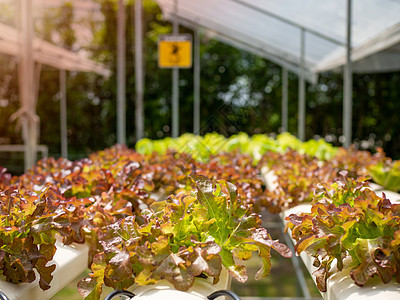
[239,91]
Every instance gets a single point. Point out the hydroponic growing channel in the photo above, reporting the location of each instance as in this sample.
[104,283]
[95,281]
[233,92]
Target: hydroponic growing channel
[163,215]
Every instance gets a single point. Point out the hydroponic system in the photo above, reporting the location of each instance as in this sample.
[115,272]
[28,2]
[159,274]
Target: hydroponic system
[179,210]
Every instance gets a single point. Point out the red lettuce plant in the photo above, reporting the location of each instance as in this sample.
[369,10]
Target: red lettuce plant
[5,178]
[29,223]
[297,175]
[238,169]
[357,162]
[117,170]
[189,235]
[170,173]
[348,219]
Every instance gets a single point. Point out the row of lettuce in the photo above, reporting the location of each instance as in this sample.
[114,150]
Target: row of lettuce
[383,170]
[201,147]
[214,190]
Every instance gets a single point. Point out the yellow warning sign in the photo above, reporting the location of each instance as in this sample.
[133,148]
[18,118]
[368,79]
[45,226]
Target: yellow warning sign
[175,51]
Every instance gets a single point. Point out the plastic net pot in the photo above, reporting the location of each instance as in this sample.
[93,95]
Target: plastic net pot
[165,290]
[201,289]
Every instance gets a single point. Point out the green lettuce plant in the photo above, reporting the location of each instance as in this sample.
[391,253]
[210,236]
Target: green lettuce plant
[348,219]
[387,174]
[191,234]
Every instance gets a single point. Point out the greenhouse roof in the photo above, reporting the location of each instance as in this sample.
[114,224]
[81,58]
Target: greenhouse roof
[49,54]
[378,54]
[273,29]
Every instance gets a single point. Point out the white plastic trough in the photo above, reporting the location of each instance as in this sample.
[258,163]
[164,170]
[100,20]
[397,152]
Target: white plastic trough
[70,262]
[340,286]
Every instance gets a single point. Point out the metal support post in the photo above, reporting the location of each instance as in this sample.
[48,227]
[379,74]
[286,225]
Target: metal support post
[297,267]
[284,99]
[302,88]
[196,79]
[175,80]
[63,114]
[28,117]
[139,71]
[348,84]
[121,72]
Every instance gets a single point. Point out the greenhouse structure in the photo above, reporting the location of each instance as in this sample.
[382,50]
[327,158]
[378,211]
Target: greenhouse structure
[180,149]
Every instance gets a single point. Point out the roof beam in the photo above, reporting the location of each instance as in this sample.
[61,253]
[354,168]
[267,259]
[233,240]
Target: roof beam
[280,59]
[49,54]
[221,29]
[362,53]
[290,22]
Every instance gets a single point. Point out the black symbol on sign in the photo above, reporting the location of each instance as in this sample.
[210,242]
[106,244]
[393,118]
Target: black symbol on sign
[174,57]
